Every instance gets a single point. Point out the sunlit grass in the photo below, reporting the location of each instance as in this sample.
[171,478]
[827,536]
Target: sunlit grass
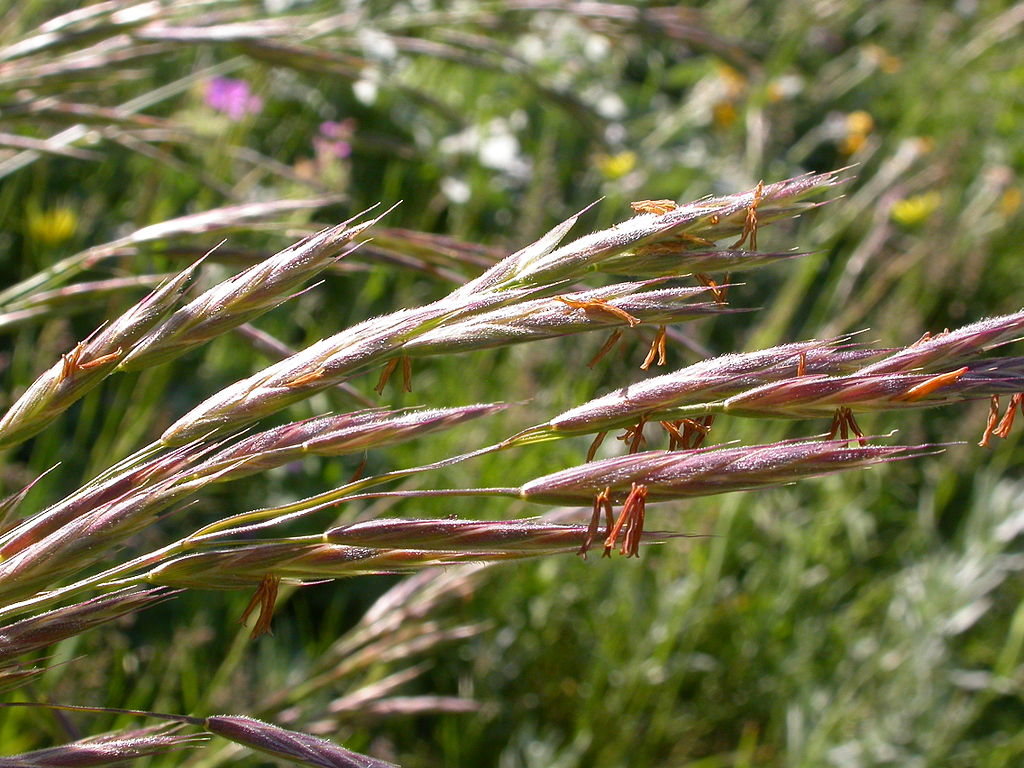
[870,620]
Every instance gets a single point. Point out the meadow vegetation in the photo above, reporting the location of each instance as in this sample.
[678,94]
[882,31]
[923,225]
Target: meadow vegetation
[313,315]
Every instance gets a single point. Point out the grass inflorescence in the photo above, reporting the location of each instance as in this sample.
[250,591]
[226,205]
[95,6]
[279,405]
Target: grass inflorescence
[216,389]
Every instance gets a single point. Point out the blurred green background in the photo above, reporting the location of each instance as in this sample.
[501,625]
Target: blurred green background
[871,620]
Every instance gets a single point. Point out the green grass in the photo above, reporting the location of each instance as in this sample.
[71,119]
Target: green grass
[870,620]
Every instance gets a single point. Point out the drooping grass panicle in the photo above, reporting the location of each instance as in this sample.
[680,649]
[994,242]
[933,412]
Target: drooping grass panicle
[402,623]
[255,734]
[107,749]
[205,222]
[616,306]
[334,436]
[47,628]
[74,298]
[812,396]
[952,348]
[703,382]
[671,475]
[535,269]
[84,367]
[674,258]
[245,296]
[310,370]
[299,562]
[145,335]
[80,542]
[290,745]
[95,495]
[54,545]
[390,547]
[709,220]
[464,535]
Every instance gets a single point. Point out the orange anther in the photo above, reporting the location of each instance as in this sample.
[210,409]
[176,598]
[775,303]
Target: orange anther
[925,388]
[657,350]
[603,501]
[993,419]
[605,348]
[96,362]
[675,437]
[926,336]
[632,518]
[406,373]
[389,368]
[592,450]
[306,378]
[750,223]
[634,435]
[264,598]
[692,435]
[599,305]
[69,361]
[659,207]
[717,291]
[843,424]
[1003,430]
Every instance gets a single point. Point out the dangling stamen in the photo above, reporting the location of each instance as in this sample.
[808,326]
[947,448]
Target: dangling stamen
[657,350]
[657,207]
[69,360]
[358,473]
[1003,430]
[693,433]
[634,435]
[265,597]
[611,341]
[698,430]
[635,523]
[602,502]
[750,223]
[843,424]
[675,437]
[633,514]
[96,362]
[389,368]
[716,290]
[406,373]
[592,451]
[993,419]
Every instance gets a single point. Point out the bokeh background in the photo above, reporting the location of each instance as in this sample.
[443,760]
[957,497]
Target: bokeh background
[871,620]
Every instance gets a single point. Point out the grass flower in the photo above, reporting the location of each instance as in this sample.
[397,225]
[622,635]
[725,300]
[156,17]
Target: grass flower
[53,575]
[108,749]
[146,385]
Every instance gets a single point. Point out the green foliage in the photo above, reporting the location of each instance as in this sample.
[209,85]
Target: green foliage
[871,620]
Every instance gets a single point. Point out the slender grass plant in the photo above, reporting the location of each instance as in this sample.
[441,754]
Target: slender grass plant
[82,561]
[223,405]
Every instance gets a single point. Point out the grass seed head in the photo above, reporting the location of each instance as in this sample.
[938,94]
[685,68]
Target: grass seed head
[290,745]
[671,475]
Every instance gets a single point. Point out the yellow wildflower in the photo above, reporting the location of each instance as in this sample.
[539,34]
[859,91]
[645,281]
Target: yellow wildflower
[859,125]
[50,227]
[1010,202]
[616,166]
[915,210]
[724,114]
